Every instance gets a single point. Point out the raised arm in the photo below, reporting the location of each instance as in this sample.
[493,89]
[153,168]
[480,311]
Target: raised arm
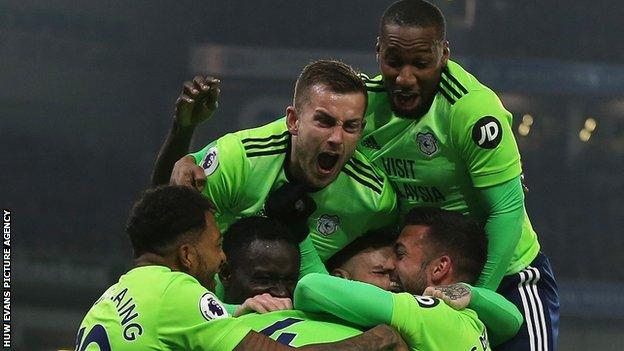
[196,103]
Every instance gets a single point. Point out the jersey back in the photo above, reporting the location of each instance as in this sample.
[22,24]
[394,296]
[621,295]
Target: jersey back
[154,308]
[463,142]
[297,328]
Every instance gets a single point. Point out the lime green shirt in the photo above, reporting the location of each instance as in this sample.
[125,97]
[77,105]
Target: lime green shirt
[464,143]
[243,168]
[154,308]
[425,323]
[298,328]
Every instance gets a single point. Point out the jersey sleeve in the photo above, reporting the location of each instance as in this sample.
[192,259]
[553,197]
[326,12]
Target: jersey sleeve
[481,131]
[226,166]
[504,205]
[310,260]
[192,318]
[501,317]
[359,303]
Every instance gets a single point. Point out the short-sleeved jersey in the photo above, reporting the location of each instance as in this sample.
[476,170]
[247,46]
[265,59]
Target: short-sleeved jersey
[297,328]
[154,308]
[243,168]
[463,142]
[426,323]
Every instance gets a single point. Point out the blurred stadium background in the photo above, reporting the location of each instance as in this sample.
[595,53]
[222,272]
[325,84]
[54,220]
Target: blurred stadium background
[87,93]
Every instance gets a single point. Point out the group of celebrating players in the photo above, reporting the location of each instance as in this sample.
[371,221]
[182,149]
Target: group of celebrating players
[381,213]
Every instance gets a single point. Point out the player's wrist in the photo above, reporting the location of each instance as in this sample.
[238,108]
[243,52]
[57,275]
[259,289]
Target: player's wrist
[179,127]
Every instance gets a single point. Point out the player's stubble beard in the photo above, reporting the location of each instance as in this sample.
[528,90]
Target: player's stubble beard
[303,165]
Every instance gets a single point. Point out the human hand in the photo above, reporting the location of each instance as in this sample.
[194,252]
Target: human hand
[197,101]
[186,172]
[455,295]
[263,303]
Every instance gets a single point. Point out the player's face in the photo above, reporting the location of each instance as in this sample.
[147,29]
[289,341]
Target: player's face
[269,267]
[376,267]
[209,254]
[411,259]
[411,61]
[325,132]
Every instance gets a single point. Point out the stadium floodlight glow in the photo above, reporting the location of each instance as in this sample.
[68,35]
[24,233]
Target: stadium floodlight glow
[584,135]
[590,124]
[523,129]
[527,119]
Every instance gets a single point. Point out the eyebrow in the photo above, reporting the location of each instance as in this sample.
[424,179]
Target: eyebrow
[320,113]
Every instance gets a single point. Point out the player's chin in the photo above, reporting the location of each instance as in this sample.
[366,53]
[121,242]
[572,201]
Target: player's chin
[406,111]
[395,287]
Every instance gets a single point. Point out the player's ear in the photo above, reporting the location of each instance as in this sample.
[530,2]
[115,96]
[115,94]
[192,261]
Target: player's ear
[341,273]
[439,269]
[291,120]
[377,49]
[446,52]
[186,256]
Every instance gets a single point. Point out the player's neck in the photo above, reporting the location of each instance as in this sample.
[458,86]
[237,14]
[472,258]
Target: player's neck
[151,259]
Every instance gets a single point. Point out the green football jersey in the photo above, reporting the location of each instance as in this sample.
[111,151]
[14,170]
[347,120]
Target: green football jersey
[154,308]
[462,143]
[242,168]
[426,323]
[298,328]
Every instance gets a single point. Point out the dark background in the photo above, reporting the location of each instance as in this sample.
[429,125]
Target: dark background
[86,98]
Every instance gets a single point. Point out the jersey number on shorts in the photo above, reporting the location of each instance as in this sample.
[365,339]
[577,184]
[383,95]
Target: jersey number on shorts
[97,335]
[283,338]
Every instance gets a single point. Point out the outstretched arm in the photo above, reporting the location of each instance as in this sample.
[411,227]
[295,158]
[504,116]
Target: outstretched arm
[195,104]
[346,299]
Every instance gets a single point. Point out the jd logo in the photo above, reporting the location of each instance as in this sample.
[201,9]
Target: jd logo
[487,132]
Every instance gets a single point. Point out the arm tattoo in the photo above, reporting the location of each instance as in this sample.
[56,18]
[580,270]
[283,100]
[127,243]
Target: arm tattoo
[454,291]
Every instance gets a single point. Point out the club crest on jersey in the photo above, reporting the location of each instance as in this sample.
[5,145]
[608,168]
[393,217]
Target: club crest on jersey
[211,308]
[427,142]
[210,163]
[327,224]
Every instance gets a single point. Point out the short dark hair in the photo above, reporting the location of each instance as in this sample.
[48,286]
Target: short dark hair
[163,215]
[337,76]
[414,13]
[456,235]
[374,239]
[240,235]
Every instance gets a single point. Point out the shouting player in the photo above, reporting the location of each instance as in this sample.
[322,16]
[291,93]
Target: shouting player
[445,140]
[310,153]
[164,302]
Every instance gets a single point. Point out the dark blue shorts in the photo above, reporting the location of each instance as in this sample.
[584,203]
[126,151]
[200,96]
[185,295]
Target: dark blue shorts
[534,291]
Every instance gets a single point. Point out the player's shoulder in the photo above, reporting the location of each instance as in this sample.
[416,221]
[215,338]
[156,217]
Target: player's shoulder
[364,175]
[185,293]
[461,89]
[269,139]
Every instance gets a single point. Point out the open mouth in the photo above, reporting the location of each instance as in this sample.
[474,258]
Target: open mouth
[326,162]
[405,98]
